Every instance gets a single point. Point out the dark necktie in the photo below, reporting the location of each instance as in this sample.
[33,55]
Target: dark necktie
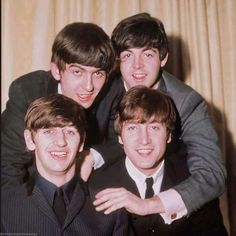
[149,190]
[59,205]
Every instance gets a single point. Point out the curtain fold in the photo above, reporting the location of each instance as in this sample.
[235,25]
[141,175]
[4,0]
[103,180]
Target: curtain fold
[202,37]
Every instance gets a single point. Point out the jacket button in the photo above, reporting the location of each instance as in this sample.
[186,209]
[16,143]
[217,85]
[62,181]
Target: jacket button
[173,216]
[152,230]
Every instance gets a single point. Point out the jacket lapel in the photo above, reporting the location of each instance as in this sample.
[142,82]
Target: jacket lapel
[41,203]
[126,180]
[77,202]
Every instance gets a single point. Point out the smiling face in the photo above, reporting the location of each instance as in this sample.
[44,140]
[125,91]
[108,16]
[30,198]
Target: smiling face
[140,66]
[55,150]
[144,144]
[79,82]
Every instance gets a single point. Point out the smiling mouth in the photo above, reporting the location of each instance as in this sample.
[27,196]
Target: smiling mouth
[58,155]
[144,151]
[139,76]
[85,97]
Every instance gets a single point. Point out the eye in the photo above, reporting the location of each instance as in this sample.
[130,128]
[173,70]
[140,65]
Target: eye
[100,74]
[48,131]
[155,127]
[70,132]
[131,127]
[124,56]
[149,55]
[77,72]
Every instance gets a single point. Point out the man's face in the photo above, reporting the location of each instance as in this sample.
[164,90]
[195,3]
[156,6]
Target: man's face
[82,83]
[140,66]
[55,150]
[144,144]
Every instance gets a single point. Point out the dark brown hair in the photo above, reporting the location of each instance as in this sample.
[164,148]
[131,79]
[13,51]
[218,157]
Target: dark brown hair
[83,43]
[55,111]
[142,104]
[140,30]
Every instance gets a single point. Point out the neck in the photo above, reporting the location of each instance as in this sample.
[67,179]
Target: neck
[60,178]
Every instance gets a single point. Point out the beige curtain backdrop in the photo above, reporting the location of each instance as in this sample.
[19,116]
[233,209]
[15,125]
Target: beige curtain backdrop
[202,37]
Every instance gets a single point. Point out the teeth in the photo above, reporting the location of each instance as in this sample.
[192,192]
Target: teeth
[84,95]
[59,154]
[144,151]
[139,75]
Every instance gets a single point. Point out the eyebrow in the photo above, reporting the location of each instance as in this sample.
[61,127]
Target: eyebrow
[84,69]
[143,50]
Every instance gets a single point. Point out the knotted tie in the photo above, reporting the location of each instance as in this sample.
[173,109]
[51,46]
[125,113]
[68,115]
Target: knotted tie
[149,190]
[59,205]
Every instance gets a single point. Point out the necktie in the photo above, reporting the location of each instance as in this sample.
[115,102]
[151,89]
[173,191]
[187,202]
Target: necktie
[59,205]
[149,190]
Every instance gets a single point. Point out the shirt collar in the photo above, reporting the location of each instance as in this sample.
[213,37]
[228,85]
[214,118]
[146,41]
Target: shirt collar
[59,91]
[137,175]
[48,189]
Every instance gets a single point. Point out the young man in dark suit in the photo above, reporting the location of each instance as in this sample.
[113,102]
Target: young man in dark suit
[141,46]
[145,123]
[82,57]
[55,130]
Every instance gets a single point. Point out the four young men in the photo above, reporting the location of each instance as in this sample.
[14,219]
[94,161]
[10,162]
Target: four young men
[82,57]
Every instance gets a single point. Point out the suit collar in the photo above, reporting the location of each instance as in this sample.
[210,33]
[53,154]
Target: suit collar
[78,200]
[162,85]
[126,180]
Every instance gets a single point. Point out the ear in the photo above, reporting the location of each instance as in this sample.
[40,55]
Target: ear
[120,140]
[163,62]
[55,71]
[29,140]
[169,138]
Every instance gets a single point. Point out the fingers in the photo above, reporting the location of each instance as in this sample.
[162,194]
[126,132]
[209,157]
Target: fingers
[110,200]
[107,192]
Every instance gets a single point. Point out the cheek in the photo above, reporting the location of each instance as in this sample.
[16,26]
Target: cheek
[124,68]
[98,83]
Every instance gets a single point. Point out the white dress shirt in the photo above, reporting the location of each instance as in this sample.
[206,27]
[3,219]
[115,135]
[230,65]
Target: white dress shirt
[171,200]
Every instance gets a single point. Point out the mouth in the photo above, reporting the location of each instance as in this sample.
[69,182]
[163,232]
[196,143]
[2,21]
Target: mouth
[144,151]
[84,97]
[139,76]
[58,155]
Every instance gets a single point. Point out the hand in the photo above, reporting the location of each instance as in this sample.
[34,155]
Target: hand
[112,199]
[85,164]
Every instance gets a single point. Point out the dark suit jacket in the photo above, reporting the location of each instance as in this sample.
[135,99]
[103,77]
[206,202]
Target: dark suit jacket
[207,221]
[16,161]
[25,210]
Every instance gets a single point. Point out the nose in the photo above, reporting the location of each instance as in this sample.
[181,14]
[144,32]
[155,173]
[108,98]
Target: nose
[60,139]
[144,136]
[138,61]
[88,83]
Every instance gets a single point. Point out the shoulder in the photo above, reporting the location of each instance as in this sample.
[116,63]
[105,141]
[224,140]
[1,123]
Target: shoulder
[184,97]
[34,77]
[107,176]
[175,87]
[32,86]
[13,197]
